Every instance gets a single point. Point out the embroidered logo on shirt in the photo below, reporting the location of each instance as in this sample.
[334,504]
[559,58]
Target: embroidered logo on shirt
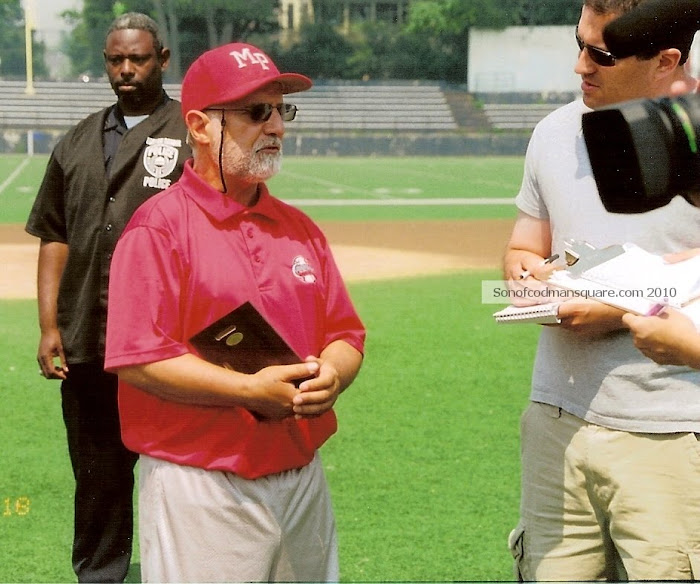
[302,270]
[159,159]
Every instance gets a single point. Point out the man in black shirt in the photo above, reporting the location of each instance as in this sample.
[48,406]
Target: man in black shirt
[97,176]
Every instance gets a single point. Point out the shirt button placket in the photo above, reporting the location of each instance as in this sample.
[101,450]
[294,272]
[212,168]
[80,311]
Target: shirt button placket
[255,251]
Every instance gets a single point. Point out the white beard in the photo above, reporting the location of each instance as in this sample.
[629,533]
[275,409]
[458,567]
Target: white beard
[255,166]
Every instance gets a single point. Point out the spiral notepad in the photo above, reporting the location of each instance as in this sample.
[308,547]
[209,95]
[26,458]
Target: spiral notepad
[539,314]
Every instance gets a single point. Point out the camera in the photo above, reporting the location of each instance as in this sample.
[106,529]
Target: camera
[644,152]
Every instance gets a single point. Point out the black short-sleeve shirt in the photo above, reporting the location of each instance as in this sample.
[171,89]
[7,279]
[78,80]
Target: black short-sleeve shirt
[79,205]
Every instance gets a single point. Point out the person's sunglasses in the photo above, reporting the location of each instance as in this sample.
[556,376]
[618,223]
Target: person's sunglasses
[598,56]
[261,112]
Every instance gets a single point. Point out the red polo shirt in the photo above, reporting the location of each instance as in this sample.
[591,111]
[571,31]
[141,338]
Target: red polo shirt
[189,256]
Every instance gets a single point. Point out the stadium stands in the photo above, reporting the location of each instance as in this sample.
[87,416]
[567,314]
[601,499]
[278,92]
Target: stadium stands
[508,116]
[327,107]
[374,107]
[335,117]
[522,110]
[54,105]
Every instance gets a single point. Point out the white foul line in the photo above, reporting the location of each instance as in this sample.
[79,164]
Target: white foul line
[13,175]
[397,202]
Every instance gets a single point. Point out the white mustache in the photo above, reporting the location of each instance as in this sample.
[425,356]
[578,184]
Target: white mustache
[271,143]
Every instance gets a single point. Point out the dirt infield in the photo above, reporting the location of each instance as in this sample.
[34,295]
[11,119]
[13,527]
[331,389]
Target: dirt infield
[364,250]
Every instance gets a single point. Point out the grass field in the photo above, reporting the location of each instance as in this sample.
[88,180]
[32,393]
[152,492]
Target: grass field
[424,470]
[344,188]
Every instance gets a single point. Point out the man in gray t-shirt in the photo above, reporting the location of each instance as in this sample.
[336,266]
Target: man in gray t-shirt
[610,454]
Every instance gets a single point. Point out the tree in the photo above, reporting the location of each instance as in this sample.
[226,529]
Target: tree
[13,60]
[544,12]
[85,44]
[384,51]
[224,21]
[182,24]
[321,52]
[448,23]
[166,17]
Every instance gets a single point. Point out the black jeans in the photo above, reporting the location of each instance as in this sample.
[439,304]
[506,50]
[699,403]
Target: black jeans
[104,475]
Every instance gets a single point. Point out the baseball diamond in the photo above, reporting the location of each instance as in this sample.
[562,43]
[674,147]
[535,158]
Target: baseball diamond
[364,251]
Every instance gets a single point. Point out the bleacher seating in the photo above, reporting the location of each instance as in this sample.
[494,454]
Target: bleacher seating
[340,107]
[54,105]
[326,107]
[513,116]
[373,107]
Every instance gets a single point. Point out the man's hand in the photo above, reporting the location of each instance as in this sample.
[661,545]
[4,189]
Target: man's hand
[52,260]
[273,390]
[670,338]
[590,318]
[317,395]
[681,256]
[50,349]
[530,242]
[338,365]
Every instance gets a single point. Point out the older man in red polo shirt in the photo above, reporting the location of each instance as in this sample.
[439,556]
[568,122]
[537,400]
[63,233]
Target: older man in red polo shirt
[231,485]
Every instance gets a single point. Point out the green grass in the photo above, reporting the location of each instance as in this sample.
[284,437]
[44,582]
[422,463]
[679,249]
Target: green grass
[424,468]
[423,471]
[36,481]
[371,180]
[18,194]
[400,177]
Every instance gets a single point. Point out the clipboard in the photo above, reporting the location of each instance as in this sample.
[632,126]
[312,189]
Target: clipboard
[581,256]
[628,277]
[243,341]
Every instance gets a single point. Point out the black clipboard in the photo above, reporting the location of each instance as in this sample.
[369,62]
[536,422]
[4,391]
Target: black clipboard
[243,341]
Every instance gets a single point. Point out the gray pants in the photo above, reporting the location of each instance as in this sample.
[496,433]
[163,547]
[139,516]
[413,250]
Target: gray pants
[210,526]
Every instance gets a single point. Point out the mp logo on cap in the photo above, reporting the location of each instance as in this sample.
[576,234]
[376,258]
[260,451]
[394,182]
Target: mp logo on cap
[246,57]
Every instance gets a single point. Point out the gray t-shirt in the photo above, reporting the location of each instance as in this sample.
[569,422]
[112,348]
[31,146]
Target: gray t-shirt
[606,381]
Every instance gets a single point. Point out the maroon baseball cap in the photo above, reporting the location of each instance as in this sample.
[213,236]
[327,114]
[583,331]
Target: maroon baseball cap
[229,73]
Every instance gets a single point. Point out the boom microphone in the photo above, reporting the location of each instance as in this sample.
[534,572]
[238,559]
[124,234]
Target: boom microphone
[652,26]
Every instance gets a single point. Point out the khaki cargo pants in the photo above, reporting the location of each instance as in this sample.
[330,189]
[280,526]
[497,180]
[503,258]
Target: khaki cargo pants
[604,504]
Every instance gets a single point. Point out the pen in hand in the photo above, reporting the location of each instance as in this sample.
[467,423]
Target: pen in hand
[549,260]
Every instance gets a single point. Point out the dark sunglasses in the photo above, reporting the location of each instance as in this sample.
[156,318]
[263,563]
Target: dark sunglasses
[261,112]
[598,56]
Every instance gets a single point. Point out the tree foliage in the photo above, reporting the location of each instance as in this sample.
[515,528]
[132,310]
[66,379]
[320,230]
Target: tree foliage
[13,60]
[387,52]
[224,21]
[456,16]
[188,27]
[545,12]
[321,52]
[447,24]
[86,43]
[431,44]
[451,18]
